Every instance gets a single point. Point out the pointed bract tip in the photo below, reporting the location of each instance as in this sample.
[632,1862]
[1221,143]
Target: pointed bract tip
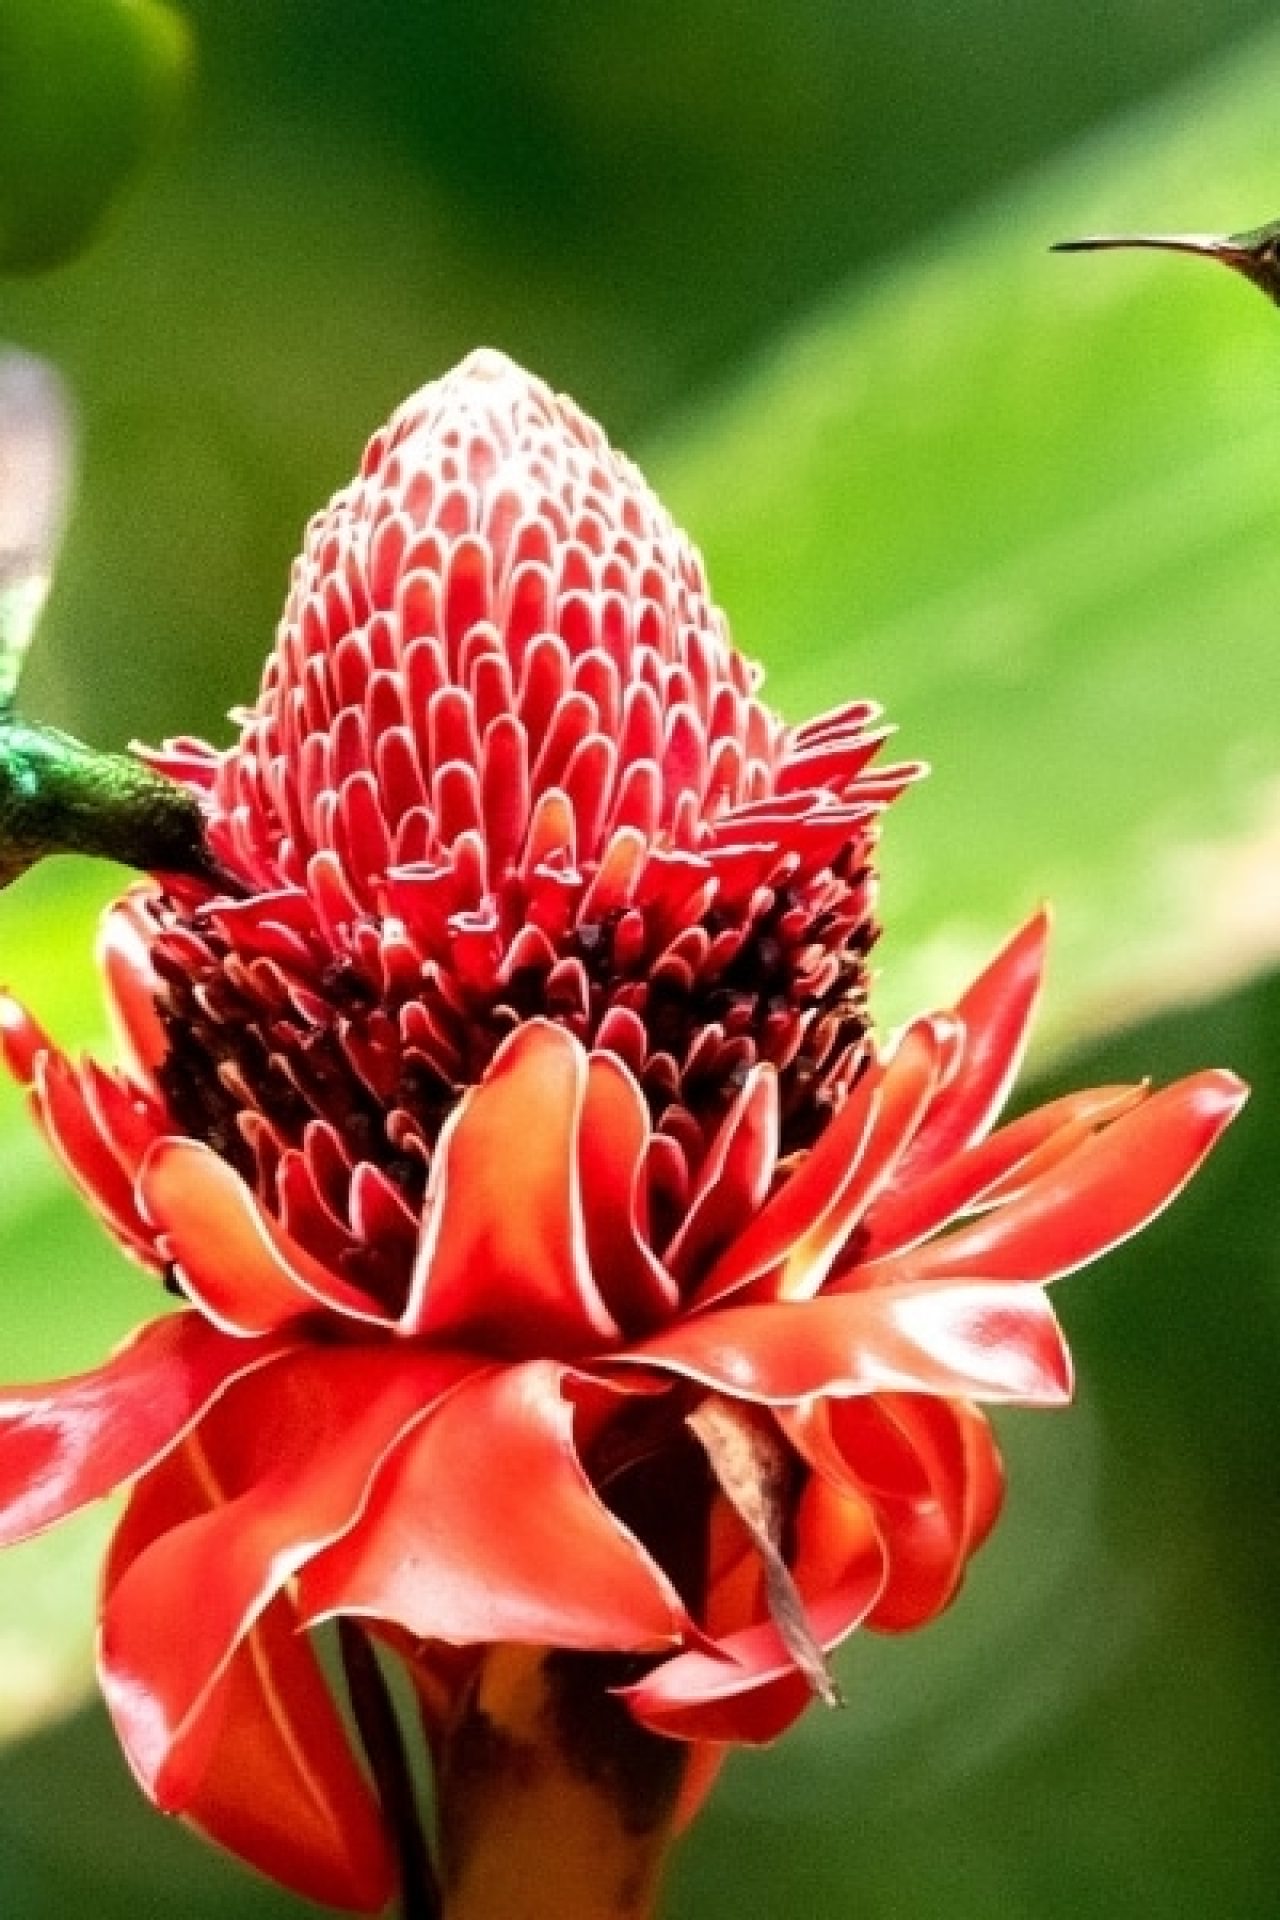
[1221,1093]
[490,363]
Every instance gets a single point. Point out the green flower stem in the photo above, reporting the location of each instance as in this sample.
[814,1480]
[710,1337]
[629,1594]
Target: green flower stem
[383,1743]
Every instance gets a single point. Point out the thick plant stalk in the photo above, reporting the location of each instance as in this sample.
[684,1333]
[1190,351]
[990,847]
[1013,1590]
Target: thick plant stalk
[554,1803]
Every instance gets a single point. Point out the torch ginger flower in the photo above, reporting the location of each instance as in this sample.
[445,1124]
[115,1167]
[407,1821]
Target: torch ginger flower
[562,1261]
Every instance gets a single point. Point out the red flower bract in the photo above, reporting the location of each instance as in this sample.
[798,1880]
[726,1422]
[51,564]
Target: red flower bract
[511,1130]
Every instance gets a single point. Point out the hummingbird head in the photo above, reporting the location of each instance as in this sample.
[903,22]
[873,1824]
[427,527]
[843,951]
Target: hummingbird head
[1254,253]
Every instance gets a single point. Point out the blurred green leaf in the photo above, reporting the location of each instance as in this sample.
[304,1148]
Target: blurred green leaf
[624,198]
[87,88]
[66,1294]
[1030,501]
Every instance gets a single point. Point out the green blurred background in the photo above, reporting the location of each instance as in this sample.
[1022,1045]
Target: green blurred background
[792,252]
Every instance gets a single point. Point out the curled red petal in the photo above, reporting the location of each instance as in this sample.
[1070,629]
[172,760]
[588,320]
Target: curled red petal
[124,956]
[748,1689]
[976,1338]
[930,1471]
[613,1135]
[789,1247]
[1107,1189]
[734,1179]
[241,1268]
[68,1442]
[484,1527]
[279,1785]
[71,1123]
[286,1461]
[502,1262]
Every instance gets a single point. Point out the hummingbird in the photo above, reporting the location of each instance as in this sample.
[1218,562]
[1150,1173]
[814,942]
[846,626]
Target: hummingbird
[57,794]
[1254,253]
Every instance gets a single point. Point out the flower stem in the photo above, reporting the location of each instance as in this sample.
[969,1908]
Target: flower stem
[554,1804]
[389,1763]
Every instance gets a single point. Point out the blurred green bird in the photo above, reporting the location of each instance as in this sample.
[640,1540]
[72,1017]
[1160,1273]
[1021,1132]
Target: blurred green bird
[58,795]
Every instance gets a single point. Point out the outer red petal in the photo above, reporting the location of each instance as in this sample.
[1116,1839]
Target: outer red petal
[244,1271]
[69,1120]
[996,1014]
[503,1259]
[279,1785]
[972,1338]
[788,1248]
[71,1441]
[282,1788]
[287,1461]
[1107,1189]
[706,1758]
[993,1169]
[485,1527]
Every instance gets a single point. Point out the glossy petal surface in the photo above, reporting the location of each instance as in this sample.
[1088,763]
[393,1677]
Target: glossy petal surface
[280,1785]
[485,1527]
[975,1338]
[68,1442]
[287,1460]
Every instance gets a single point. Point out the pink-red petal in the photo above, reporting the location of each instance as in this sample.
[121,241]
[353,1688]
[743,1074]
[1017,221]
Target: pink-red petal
[1111,1186]
[279,1785]
[734,1179]
[787,1250]
[995,1015]
[287,1461]
[240,1267]
[484,1527]
[69,1442]
[994,1168]
[976,1338]
[125,961]
[68,1119]
[502,1261]
[613,1137]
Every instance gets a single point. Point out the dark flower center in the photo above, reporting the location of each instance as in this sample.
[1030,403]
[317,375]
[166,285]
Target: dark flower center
[328,1092]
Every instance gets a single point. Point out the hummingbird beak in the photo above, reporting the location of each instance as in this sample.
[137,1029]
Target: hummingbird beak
[1210,246]
[1254,255]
